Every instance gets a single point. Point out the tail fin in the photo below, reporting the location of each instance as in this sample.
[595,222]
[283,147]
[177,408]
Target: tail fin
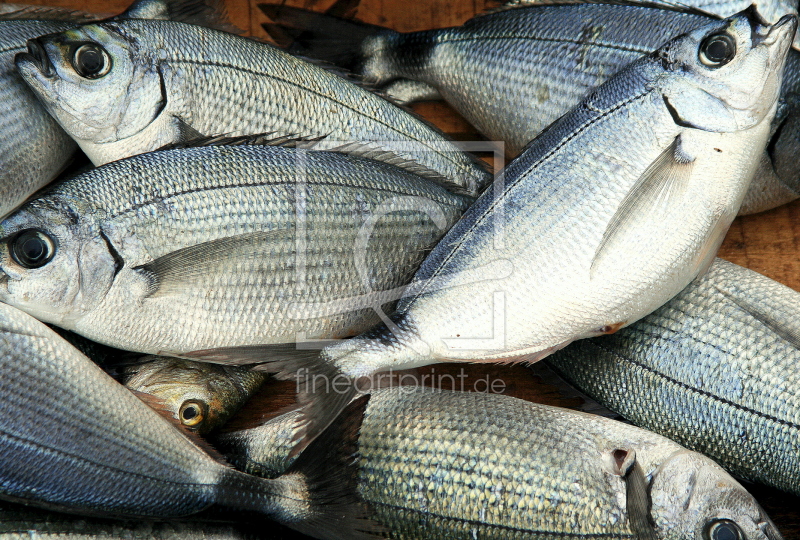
[318,495]
[325,37]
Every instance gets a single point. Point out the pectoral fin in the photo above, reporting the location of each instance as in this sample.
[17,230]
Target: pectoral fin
[192,268]
[660,189]
[781,328]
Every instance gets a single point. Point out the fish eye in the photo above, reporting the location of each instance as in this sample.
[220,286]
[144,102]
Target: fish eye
[32,248]
[91,61]
[717,50]
[192,412]
[724,529]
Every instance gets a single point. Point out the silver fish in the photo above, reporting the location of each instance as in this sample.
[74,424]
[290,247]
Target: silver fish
[34,149]
[73,439]
[200,396]
[605,217]
[541,61]
[19,522]
[222,246]
[454,465]
[126,87]
[715,369]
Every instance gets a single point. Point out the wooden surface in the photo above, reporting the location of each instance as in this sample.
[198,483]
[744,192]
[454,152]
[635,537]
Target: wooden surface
[767,242]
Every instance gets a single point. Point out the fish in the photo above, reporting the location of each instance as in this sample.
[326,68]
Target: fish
[34,149]
[74,440]
[542,59]
[714,370]
[18,522]
[200,396]
[146,84]
[607,215]
[439,464]
[222,245]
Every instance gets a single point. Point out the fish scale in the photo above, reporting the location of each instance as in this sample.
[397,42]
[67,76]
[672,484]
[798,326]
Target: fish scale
[33,148]
[213,83]
[706,371]
[460,465]
[314,235]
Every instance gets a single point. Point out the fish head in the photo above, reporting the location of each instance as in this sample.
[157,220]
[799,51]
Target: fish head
[199,396]
[94,81]
[54,263]
[725,76]
[694,498]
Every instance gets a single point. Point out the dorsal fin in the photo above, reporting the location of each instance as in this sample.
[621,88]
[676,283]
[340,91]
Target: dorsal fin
[207,13]
[660,4]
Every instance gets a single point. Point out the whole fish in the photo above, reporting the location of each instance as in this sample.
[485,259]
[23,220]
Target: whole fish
[715,369]
[19,522]
[126,87]
[34,149]
[72,439]
[219,246]
[541,61]
[606,216]
[440,464]
[200,396]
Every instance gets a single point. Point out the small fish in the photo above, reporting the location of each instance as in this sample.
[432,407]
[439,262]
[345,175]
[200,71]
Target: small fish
[34,149]
[72,439]
[221,246]
[126,87]
[607,215]
[714,369]
[542,59]
[436,464]
[200,396]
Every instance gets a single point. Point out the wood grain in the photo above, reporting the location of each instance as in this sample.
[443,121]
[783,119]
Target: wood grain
[767,242]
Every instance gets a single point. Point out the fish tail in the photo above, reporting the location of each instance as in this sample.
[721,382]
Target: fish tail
[318,494]
[353,45]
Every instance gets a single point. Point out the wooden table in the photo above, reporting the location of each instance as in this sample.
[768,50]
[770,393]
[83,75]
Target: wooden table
[767,242]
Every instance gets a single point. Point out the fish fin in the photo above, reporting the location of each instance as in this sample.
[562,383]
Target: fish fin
[785,331]
[638,503]
[207,13]
[330,468]
[304,366]
[189,268]
[324,36]
[664,180]
[162,409]
[20,12]
[190,138]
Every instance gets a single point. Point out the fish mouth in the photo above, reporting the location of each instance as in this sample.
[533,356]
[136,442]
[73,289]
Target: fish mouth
[37,56]
[782,31]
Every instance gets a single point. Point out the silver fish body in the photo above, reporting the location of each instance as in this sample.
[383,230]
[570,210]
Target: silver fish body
[543,60]
[33,148]
[200,396]
[714,369]
[19,522]
[438,464]
[73,439]
[221,246]
[605,217]
[163,82]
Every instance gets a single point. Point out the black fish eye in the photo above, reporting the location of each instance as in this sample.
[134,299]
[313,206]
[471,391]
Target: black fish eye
[32,249]
[192,412]
[91,61]
[717,50]
[724,529]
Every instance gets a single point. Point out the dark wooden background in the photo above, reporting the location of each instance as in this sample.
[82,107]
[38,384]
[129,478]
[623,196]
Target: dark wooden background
[767,242]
